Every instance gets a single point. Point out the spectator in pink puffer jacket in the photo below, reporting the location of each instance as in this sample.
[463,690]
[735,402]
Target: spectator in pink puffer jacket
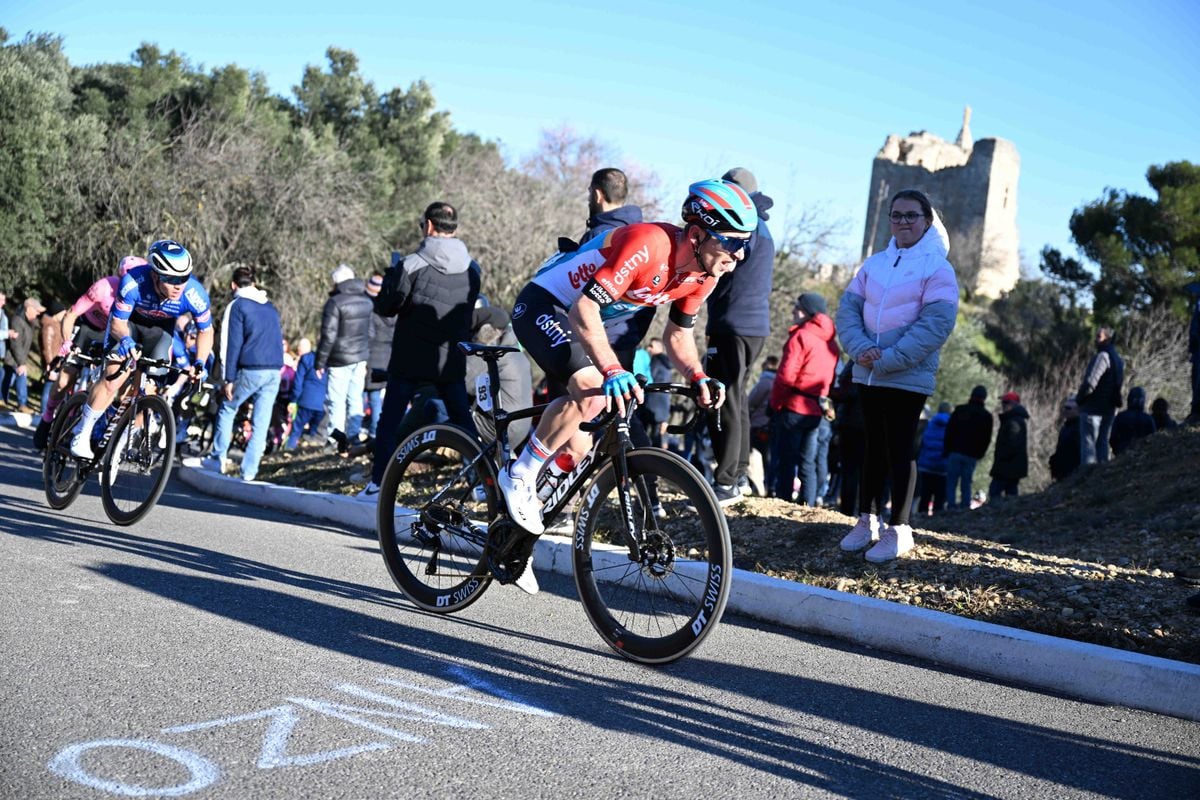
[893,320]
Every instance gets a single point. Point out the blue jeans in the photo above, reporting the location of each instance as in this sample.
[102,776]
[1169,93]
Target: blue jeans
[261,386]
[960,470]
[375,403]
[305,417]
[21,382]
[344,398]
[824,437]
[1093,437]
[797,434]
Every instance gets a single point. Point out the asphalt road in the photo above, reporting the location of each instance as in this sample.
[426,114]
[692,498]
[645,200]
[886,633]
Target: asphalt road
[221,650]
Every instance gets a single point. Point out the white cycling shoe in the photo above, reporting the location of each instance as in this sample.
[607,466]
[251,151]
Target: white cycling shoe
[523,505]
[81,447]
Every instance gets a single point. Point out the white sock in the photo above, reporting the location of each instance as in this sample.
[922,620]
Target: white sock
[87,421]
[531,460]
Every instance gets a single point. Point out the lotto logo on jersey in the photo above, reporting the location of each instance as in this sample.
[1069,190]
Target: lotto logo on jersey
[649,297]
[579,276]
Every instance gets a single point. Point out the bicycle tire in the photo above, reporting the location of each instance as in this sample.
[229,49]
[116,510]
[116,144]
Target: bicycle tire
[662,607]
[432,527]
[131,486]
[62,480]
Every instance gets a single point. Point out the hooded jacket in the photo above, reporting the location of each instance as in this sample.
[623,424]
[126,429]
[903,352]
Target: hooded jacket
[345,321]
[741,303]
[807,368]
[905,302]
[432,294]
[251,336]
[932,457]
[1132,423]
[970,430]
[606,221]
[1100,393]
[1011,459]
[308,391]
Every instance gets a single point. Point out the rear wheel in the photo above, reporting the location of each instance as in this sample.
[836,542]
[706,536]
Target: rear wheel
[663,604]
[138,460]
[62,478]
[435,503]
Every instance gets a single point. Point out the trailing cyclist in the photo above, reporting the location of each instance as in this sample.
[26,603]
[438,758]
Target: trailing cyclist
[91,312]
[149,299]
[560,316]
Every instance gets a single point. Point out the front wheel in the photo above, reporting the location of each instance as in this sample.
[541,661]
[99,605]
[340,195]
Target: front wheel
[62,477]
[138,460]
[663,604]
[436,500]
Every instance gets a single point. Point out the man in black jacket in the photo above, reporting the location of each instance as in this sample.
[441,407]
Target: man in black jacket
[968,435]
[342,351]
[1099,398]
[380,334]
[432,294]
[739,322]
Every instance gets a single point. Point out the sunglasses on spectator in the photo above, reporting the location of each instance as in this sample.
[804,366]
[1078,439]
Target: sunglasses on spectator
[728,243]
[910,217]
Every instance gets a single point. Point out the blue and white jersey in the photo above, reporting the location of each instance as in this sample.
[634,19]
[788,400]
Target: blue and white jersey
[139,302]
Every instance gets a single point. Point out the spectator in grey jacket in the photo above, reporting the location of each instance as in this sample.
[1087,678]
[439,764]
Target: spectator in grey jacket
[1099,397]
[343,350]
[432,294]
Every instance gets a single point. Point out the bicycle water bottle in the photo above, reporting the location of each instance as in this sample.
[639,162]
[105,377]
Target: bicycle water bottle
[553,475]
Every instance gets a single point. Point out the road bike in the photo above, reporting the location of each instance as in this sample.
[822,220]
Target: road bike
[133,445]
[650,546]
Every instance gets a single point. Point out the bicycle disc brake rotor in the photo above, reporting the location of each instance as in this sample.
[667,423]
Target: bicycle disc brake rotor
[657,554]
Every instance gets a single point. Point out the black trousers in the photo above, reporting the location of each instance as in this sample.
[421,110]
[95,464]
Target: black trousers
[891,417]
[730,358]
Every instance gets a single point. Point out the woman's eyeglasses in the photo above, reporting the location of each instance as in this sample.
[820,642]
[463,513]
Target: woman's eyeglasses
[909,216]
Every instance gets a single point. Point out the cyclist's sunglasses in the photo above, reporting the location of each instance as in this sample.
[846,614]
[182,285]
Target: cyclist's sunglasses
[729,244]
[173,280]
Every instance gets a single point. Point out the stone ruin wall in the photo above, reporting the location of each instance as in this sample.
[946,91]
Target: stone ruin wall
[973,185]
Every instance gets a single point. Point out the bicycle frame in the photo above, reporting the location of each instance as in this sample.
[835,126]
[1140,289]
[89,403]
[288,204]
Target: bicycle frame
[611,446]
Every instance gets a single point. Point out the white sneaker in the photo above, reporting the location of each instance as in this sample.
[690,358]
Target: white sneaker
[370,494]
[864,533]
[895,541]
[81,447]
[523,505]
[528,583]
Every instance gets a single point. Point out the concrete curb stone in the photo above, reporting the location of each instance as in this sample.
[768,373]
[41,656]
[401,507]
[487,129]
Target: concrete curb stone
[1085,671]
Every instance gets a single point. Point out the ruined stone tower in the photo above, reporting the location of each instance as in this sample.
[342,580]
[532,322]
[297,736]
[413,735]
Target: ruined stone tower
[973,186]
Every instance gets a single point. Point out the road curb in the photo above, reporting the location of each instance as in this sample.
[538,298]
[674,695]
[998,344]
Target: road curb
[1085,671]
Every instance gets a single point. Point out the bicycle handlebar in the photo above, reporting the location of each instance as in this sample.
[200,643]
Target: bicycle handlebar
[684,390]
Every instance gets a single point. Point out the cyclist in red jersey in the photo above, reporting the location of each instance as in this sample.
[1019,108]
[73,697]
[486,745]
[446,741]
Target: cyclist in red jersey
[559,318]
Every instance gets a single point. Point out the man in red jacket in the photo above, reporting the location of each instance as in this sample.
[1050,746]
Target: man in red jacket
[806,371]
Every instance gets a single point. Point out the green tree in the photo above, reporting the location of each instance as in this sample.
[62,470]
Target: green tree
[1145,248]
[34,100]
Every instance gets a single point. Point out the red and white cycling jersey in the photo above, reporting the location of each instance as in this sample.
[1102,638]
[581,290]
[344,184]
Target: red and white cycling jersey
[627,269]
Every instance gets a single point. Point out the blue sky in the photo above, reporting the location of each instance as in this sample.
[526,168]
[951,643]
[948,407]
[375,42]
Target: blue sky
[802,93]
